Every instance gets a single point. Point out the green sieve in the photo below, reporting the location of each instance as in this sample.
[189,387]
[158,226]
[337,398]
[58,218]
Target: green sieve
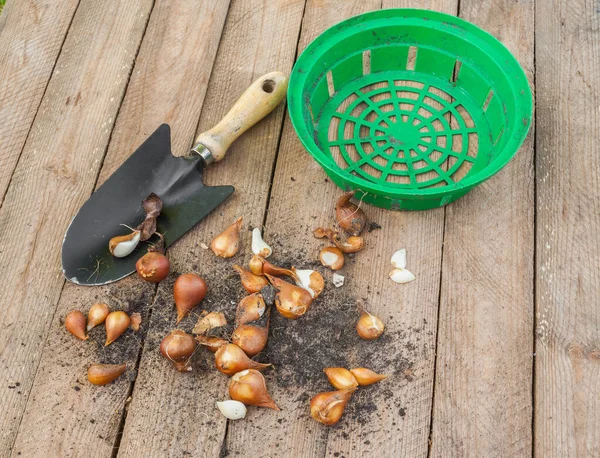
[411,108]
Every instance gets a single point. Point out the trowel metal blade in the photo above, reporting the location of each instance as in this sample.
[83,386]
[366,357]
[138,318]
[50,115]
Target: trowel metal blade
[152,168]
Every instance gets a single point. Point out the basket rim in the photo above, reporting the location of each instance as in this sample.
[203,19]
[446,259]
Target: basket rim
[478,36]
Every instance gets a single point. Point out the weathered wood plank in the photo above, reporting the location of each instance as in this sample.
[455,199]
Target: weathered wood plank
[174,62]
[567,370]
[55,175]
[31,36]
[171,413]
[394,415]
[483,389]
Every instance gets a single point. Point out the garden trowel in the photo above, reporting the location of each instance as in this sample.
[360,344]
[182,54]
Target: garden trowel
[86,259]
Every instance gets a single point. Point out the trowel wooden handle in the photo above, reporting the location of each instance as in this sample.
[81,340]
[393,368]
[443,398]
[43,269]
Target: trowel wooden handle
[259,100]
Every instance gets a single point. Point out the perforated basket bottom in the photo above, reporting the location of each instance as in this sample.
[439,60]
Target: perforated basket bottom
[404,130]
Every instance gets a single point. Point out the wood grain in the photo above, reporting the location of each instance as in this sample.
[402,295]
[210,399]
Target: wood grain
[159,91]
[483,390]
[55,175]
[32,34]
[567,369]
[397,417]
[173,413]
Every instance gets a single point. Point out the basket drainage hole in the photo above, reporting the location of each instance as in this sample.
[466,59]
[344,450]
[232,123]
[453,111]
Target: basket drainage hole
[268,86]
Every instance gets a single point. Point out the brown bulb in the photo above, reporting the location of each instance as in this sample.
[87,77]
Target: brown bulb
[188,291]
[251,283]
[250,388]
[332,257]
[366,377]
[153,267]
[102,374]
[178,347]
[250,308]
[369,327]
[116,324]
[227,243]
[340,378]
[97,315]
[291,301]
[251,339]
[349,216]
[209,321]
[230,359]
[75,324]
[328,407]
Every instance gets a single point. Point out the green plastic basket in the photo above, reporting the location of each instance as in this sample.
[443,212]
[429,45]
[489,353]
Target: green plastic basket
[411,108]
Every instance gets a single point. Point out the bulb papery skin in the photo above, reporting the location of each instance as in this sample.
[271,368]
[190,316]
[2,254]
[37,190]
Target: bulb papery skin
[340,378]
[332,257]
[249,387]
[97,315]
[116,323]
[349,216]
[366,377]
[178,347]
[259,247]
[75,323]
[369,327]
[328,407]
[311,280]
[103,374]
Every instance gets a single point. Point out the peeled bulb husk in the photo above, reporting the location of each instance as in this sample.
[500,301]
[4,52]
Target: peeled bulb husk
[209,321]
[250,308]
[188,291]
[332,257]
[75,324]
[399,259]
[116,323]
[102,374]
[311,280]
[352,244]
[123,245]
[368,326]
[251,283]
[366,377]
[227,243]
[97,315]
[401,276]
[233,410]
[349,216]
[291,301]
[259,247]
[340,378]
[328,407]
[136,321]
[249,387]
[211,343]
[178,347]
[230,359]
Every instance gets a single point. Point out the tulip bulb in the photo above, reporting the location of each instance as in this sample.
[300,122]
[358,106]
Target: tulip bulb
[332,257]
[251,339]
[249,387]
[259,247]
[153,267]
[349,216]
[328,407]
[227,243]
[103,374]
[178,347]
[116,323]
[251,283]
[260,266]
[188,291]
[97,315]
[250,308]
[340,378]
[123,245]
[291,301]
[209,321]
[233,410]
[366,377]
[368,326]
[311,280]
[352,244]
[211,343]
[230,359]
[75,324]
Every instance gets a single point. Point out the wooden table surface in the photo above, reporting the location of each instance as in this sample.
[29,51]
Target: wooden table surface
[494,349]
